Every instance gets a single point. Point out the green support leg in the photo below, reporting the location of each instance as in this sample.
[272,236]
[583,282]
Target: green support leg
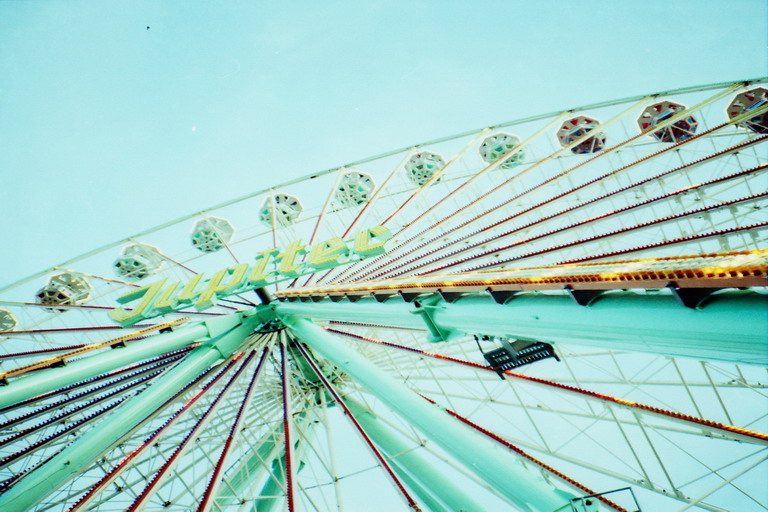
[272,491]
[418,468]
[489,461]
[251,470]
[732,326]
[52,378]
[426,497]
[88,447]
[272,494]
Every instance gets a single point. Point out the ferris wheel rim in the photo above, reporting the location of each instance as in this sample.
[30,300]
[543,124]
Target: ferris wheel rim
[352,164]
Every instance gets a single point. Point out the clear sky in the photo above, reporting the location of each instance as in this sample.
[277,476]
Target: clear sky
[119,115]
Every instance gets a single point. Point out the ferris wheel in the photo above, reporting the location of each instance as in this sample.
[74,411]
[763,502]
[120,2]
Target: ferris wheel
[560,313]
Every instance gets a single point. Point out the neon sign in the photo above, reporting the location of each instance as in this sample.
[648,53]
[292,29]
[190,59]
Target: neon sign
[271,266]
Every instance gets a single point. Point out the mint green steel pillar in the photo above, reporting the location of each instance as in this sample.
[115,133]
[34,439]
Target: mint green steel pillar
[488,460]
[87,367]
[412,462]
[251,469]
[427,498]
[226,337]
[272,494]
[732,326]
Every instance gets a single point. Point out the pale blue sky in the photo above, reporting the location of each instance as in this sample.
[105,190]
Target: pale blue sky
[107,127]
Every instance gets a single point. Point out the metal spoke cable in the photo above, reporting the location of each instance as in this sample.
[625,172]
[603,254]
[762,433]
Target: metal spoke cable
[600,236]
[123,463]
[133,370]
[673,241]
[758,437]
[83,405]
[559,213]
[337,398]
[151,487]
[389,273]
[205,501]
[545,182]
[570,481]
[5,461]
[288,446]
[505,183]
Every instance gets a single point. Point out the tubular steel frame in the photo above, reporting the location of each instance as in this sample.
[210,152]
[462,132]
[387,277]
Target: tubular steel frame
[206,415]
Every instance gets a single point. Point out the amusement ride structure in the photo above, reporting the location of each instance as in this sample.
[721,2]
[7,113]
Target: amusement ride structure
[566,312]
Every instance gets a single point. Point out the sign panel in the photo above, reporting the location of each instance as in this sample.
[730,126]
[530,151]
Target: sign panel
[270,267]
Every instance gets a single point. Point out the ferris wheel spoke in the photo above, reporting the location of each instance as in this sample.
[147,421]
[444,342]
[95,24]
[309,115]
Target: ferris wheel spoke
[433,487]
[730,431]
[565,173]
[143,330]
[59,418]
[558,415]
[274,487]
[288,448]
[43,443]
[225,243]
[32,353]
[369,204]
[74,329]
[320,219]
[193,481]
[434,178]
[632,479]
[570,209]
[194,273]
[450,436]
[124,418]
[322,470]
[151,487]
[486,194]
[711,472]
[82,307]
[377,326]
[132,371]
[251,467]
[333,470]
[729,482]
[680,240]
[326,204]
[718,470]
[61,405]
[621,423]
[571,482]
[127,459]
[227,246]
[438,462]
[536,406]
[366,438]
[96,276]
[601,217]
[602,236]
[59,372]
[474,177]
[213,483]
[377,194]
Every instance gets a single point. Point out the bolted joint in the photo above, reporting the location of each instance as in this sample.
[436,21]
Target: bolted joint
[437,333]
